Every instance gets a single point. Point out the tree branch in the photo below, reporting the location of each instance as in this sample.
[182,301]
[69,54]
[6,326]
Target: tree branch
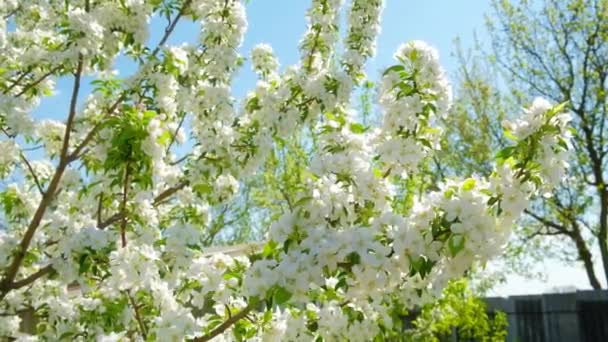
[38,81]
[168,192]
[49,194]
[169,29]
[548,223]
[32,277]
[17,81]
[31,170]
[224,326]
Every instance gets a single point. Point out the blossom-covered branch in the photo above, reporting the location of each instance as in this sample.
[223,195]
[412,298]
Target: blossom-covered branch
[104,235]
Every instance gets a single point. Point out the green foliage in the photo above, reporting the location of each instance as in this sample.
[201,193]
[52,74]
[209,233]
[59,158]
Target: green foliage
[12,205]
[126,152]
[277,188]
[458,309]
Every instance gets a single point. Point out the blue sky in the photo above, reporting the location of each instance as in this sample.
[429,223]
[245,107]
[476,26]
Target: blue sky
[281,24]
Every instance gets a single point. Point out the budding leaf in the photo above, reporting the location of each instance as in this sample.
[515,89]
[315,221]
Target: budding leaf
[557,109]
[468,184]
[505,153]
[509,135]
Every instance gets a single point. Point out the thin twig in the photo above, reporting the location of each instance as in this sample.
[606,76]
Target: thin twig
[112,219]
[78,150]
[180,160]
[140,322]
[27,163]
[33,148]
[174,135]
[125,189]
[32,172]
[14,11]
[17,81]
[72,114]
[99,209]
[169,29]
[38,81]
[157,201]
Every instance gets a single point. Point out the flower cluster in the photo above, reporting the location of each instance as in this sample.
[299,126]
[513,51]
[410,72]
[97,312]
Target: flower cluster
[10,155]
[553,151]
[364,26]
[319,40]
[413,94]
[531,121]
[263,60]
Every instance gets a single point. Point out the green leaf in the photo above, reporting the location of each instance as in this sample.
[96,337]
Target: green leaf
[493,200]
[281,295]
[84,264]
[505,153]
[456,244]
[267,317]
[66,335]
[468,184]
[387,173]
[562,143]
[509,135]
[421,265]
[357,128]
[426,143]
[302,201]
[557,109]
[269,249]
[396,68]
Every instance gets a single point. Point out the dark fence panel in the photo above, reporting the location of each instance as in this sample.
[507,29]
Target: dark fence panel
[580,316]
[529,317]
[593,320]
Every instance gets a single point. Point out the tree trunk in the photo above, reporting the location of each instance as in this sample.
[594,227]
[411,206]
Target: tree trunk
[603,232]
[586,257]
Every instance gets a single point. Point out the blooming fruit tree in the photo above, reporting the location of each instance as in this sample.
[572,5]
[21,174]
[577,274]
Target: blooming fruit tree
[103,212]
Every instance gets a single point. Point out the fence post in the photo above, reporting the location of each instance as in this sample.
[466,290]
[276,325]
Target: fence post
[561,317]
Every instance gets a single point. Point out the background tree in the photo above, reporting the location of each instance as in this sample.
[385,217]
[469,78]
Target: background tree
[558,50]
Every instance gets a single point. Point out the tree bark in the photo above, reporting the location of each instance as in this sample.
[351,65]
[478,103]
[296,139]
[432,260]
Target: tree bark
[603,231]
[586,257]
